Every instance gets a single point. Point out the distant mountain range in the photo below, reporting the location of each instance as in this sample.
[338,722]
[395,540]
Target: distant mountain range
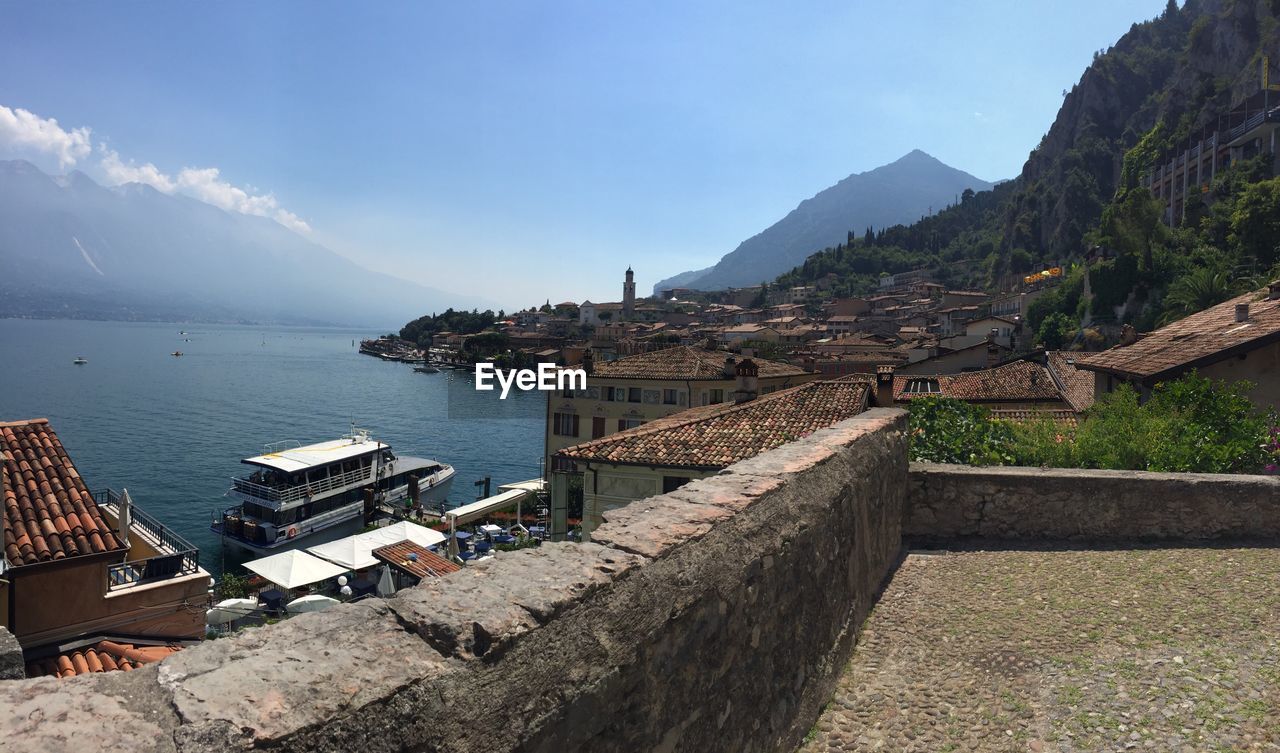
[897,193]
[72,248]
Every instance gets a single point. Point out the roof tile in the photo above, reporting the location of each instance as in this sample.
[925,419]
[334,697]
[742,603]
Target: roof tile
[683,362]
[49,514]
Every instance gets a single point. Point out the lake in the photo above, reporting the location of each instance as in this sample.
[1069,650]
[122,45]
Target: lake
[174,429]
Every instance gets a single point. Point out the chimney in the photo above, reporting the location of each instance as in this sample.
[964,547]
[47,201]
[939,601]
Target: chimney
[1128,335]
[993,352]
[884,386]
[810,364]
[747,374]
[1273,291]
[1242,312]
[729,371]
[588,363]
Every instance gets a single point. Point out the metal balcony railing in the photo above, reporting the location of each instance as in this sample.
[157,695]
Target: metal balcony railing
[176,556]
[283,493]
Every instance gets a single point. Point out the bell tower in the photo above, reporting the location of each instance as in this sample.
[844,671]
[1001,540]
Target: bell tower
[629,295]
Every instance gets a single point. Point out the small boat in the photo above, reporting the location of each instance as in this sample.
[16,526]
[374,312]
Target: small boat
[426,369]
[80,361]
[176,353]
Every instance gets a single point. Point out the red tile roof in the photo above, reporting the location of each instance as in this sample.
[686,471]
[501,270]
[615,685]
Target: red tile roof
[683,362]
[1025,415]
[1020,381]
[103,656]
[1076,385]
[715,436]
[1202,338]
[49,514]
[415,559]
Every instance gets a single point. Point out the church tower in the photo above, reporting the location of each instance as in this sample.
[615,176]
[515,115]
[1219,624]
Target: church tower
[629,296]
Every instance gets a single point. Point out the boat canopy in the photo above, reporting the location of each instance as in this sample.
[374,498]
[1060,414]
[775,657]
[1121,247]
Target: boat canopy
[294,569]
[356,552]
[301,458]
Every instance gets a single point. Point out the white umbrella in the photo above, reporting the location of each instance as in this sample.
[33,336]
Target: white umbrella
[385,585]
[294,569]
[312,603]
[230,610]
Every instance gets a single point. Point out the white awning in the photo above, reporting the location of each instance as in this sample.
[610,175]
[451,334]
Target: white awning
[481,508]
[294,569]
[356,552]
[532,485]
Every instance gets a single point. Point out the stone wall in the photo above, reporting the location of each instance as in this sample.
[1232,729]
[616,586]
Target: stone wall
[952,501]
[715,618]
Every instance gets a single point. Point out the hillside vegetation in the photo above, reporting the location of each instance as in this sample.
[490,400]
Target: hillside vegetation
[1149,96]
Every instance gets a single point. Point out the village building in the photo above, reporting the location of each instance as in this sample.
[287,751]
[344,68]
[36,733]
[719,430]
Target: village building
[664,455]
[1236,340]
[78,564]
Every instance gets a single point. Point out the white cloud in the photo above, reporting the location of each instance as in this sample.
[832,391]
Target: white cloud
[117,172]
[21,129]
[205,184]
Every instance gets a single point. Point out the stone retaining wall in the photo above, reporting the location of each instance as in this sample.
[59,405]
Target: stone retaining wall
[953,501]
[714,618]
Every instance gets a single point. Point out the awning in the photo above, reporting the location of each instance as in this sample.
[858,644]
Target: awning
[484,507]
[356,552]
[294,569]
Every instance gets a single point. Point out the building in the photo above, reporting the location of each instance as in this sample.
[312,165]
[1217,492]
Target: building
[981,355]
[1235,340]
[629,295]
[1021,386]
[72,568]
[665,454]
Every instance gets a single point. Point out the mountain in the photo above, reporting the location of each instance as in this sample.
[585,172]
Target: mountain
[72,248]
[895,193]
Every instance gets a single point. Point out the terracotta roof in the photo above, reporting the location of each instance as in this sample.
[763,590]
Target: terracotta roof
[716,436]
[103,656]
[1202,338]
[1023,381]
[1076,385]
[683,362]
[49,514]
[415,559]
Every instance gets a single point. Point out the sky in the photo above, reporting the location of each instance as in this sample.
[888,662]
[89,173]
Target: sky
[531,151]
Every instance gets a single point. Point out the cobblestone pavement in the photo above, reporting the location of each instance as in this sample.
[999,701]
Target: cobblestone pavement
[1089,650]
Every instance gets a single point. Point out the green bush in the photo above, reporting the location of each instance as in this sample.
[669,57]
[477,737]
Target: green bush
[1190,424]
[945,430]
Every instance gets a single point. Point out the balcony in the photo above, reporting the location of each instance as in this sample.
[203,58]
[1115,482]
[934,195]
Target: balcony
[281,494]
[167,555]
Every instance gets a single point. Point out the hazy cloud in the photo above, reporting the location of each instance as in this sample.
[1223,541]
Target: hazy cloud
[21,129]
[205,184]
[118,172]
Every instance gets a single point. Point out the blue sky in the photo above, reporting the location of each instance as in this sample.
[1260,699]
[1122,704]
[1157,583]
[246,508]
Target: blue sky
[524,151]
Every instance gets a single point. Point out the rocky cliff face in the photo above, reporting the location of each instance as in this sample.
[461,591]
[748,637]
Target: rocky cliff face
[1183,68]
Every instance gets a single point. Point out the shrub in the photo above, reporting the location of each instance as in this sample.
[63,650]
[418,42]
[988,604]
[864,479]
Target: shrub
[945,430]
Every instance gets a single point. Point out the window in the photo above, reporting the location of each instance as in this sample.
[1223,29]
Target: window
[567,392]
[671,483]
[597,427]
[629,423]
[717,396]
[565,424]
[922,387]
[669,397]
[633,395]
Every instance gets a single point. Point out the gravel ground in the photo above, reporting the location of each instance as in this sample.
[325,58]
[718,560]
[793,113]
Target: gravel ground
[1085,650]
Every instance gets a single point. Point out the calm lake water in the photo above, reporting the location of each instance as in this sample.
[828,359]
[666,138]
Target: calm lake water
[173,430]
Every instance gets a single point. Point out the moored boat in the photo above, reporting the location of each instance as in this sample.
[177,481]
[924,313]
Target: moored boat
[305,495]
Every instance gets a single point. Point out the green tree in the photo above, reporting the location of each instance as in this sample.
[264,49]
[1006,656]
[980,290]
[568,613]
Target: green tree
[1255,223]
[1056,330]
[1196,291]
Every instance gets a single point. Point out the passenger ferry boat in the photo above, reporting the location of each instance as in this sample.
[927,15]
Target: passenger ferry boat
[307,495]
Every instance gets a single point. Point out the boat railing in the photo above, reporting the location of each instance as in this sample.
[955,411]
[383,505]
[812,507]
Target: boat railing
[174,557]
[298,492]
